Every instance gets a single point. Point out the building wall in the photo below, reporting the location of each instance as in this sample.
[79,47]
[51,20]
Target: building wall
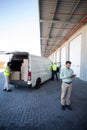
[83,65]
[63,56]
[83,72]
[75,54]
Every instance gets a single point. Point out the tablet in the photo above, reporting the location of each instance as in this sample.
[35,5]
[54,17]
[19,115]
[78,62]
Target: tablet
[73,75]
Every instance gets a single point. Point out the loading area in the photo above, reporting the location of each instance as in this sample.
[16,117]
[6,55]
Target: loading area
[40,109]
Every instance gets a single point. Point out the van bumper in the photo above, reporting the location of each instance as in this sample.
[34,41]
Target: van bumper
[19,83]
[29,83]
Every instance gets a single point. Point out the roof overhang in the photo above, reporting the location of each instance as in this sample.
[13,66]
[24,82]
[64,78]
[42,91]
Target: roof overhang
[59,20]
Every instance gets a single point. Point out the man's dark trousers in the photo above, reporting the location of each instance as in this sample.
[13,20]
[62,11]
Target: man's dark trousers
[53,74]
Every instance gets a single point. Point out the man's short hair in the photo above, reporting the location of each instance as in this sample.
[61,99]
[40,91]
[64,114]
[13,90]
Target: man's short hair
[68,62]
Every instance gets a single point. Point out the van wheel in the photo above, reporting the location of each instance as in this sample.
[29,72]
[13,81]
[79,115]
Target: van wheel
[38,83]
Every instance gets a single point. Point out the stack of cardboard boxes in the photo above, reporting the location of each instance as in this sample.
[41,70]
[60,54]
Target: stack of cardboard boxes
[24,70]
[15,75]
[21,75]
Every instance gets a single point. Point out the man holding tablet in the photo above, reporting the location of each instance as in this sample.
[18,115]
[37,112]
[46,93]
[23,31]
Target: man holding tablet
[66,75]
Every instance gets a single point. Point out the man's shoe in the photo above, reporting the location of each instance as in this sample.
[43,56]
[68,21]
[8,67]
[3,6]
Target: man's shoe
[9,90]
[69,107]
[4,89]
[63,107]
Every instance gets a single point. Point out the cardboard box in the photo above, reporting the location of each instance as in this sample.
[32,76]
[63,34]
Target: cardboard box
[25,62]
[15,75]
[24,73]
[24,77]
[24,69]
[25,65]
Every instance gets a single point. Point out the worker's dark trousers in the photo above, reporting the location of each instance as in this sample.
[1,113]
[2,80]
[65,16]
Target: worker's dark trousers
[53,74]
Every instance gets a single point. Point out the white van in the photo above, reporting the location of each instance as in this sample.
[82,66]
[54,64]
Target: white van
[30,69]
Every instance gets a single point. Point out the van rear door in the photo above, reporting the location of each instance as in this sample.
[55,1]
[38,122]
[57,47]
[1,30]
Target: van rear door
[20,65]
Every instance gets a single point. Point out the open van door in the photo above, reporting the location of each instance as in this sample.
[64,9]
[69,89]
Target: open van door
[4,58]
[8,53]
[19,66]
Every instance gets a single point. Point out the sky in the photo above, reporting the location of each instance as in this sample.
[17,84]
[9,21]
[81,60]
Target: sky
[19,26]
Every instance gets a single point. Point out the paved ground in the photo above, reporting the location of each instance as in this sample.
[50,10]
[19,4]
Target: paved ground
[31,109]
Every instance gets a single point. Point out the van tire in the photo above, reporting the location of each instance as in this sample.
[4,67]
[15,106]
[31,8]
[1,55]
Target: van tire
[38,83]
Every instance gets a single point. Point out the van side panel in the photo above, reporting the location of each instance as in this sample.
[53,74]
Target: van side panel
[40,68]
[31,68]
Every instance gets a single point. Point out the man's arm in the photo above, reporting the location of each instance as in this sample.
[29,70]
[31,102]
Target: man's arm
[73,75]
[62,74]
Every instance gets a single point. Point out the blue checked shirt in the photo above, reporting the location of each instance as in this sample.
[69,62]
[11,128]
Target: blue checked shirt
[65,73]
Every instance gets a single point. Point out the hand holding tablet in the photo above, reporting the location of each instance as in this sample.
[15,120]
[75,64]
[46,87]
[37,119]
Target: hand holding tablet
[72,76]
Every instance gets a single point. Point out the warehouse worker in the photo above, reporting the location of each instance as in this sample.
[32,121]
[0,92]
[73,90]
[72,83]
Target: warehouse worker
[54,71]
[66,75]
[7,73]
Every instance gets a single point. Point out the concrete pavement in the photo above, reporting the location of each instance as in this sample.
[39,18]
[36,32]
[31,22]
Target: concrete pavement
[39,109]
